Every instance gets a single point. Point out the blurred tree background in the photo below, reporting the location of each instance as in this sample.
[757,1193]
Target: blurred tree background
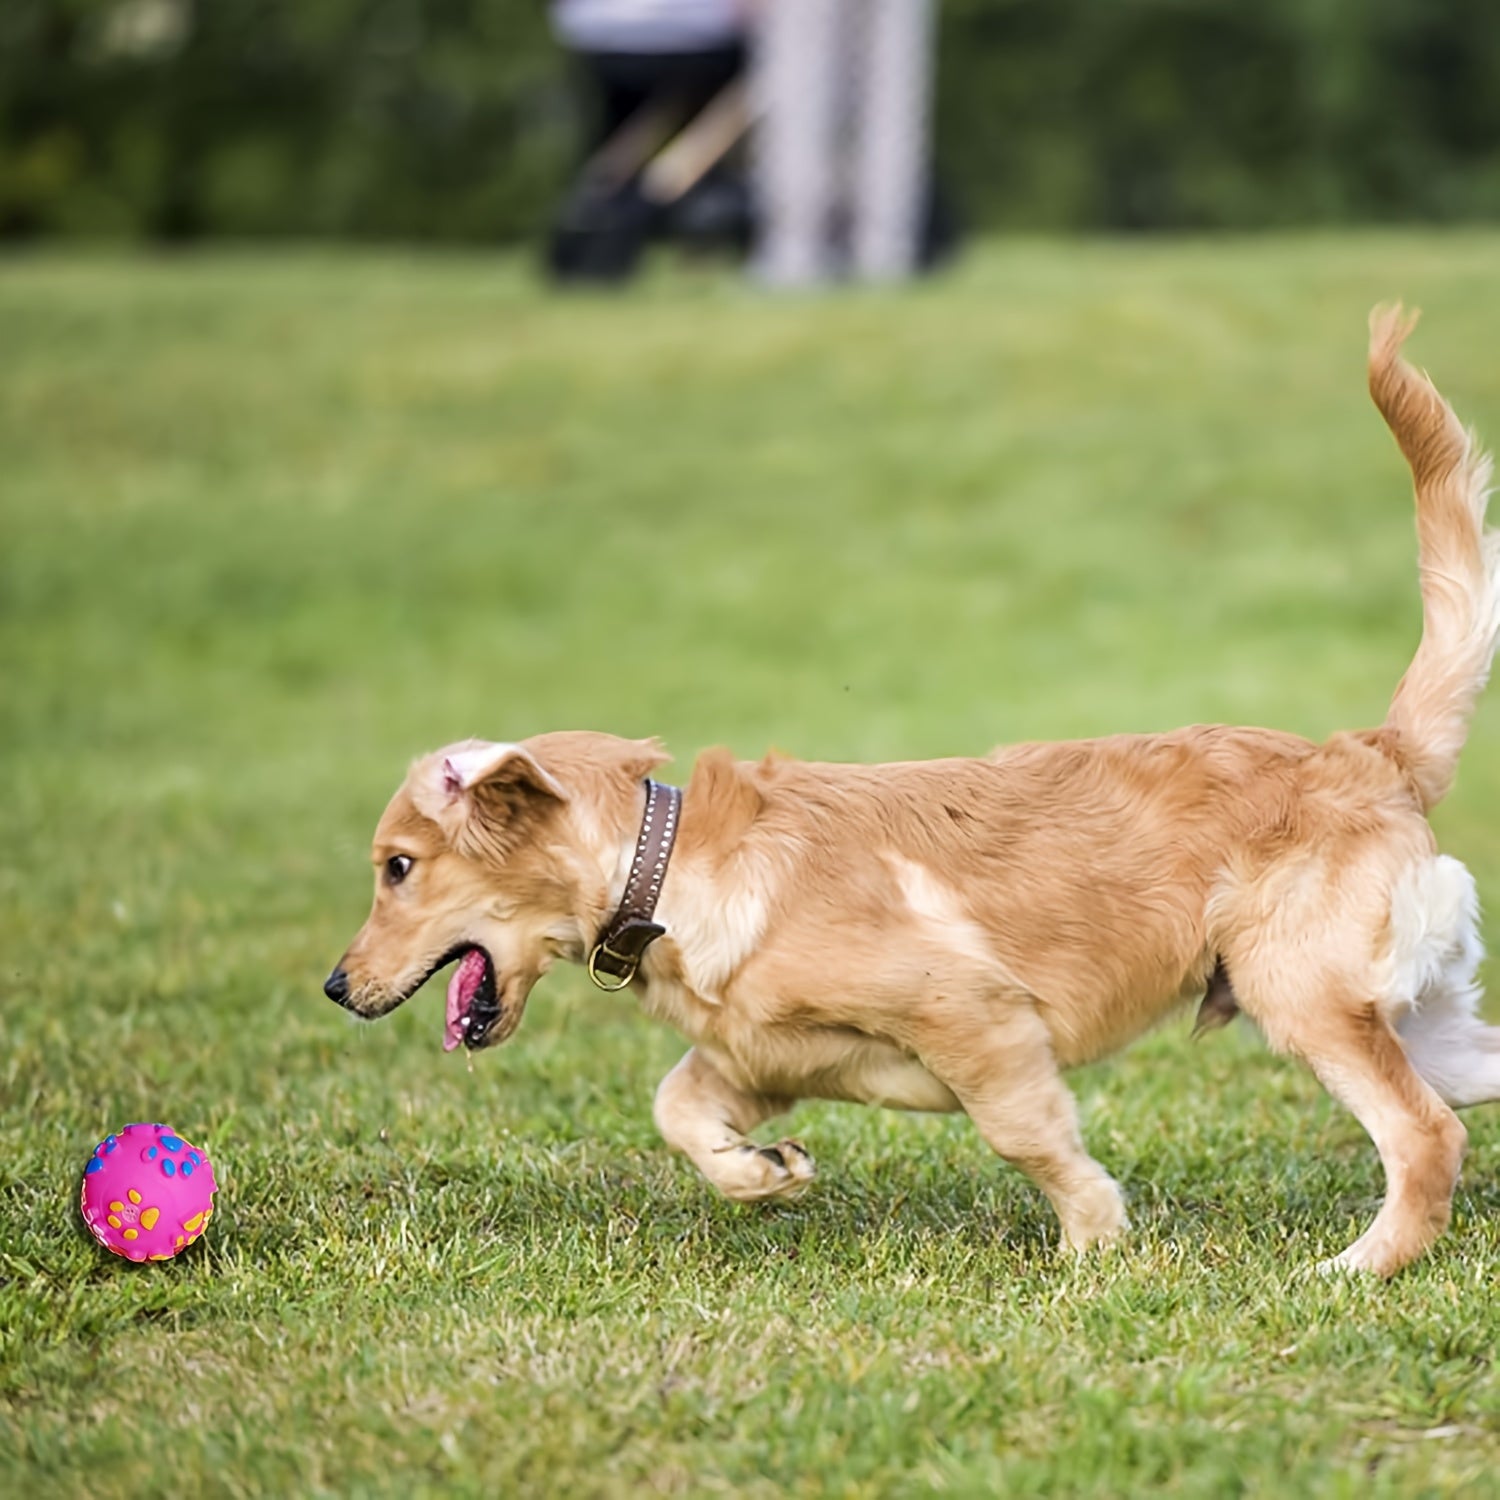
[454,119]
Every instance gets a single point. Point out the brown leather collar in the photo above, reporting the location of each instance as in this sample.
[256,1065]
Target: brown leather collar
[627,934]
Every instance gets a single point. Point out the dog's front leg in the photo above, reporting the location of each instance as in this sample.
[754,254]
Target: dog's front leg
[996,1056]
[702,1114]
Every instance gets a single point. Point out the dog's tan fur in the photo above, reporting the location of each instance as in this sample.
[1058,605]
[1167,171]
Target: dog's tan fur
[953,934]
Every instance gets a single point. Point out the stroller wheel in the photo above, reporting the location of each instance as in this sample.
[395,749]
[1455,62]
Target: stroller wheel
[599,236]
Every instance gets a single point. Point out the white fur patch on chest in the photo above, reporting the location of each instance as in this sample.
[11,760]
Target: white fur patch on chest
[716,923]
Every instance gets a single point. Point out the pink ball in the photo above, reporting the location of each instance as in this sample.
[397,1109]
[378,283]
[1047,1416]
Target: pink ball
[147,1192]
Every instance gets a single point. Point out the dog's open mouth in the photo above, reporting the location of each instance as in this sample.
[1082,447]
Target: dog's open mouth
[473,1006]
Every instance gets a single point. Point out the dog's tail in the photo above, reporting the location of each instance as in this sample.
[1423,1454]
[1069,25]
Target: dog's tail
[1459,562]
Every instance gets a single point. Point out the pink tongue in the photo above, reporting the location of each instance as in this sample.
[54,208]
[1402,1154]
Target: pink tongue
[462,988]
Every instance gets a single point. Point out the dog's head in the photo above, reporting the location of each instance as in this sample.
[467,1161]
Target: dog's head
[498,857]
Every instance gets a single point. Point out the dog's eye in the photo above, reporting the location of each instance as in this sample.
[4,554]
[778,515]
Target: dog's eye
[397,867]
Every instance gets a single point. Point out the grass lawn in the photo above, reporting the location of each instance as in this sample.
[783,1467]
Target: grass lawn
[270,526]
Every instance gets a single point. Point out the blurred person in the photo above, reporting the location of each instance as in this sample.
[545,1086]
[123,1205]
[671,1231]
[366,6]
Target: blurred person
[649,68]
[840,95]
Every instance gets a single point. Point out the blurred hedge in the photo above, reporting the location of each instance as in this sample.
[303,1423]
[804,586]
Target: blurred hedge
[1233,113]
[454,119]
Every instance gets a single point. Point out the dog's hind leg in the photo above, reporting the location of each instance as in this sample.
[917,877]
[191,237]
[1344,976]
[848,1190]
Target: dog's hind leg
[702,1114]
[1358,1058]
[998,1061]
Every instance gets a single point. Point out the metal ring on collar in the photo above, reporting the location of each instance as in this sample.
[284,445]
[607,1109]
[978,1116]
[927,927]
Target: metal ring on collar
[623,980]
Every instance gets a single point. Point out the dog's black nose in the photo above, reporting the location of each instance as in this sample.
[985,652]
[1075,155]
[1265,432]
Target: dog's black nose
[336,987]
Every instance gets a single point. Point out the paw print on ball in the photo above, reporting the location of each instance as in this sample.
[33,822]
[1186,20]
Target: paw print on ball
[147,1193]
[107,1147]
[166,1151]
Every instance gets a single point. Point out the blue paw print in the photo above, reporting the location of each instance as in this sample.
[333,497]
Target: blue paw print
[103,1149]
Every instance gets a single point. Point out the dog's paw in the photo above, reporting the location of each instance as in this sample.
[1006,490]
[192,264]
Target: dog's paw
[1093,1217]
[1373,1254]
[784,1170]
[1337,1266]
[1354,1263]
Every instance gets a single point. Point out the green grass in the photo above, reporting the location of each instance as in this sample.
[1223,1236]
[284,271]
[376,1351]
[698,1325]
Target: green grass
[271,526]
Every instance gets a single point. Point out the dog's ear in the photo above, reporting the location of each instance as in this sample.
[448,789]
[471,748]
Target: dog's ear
[486,765]
[447,786]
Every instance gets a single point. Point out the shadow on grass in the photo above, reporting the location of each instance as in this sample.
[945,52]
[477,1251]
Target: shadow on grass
[661,1215]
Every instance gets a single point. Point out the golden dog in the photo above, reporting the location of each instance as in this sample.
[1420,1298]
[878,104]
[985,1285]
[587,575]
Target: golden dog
[954,934]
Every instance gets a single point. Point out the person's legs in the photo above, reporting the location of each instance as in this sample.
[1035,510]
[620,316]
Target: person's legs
[795,78]
[892,103]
